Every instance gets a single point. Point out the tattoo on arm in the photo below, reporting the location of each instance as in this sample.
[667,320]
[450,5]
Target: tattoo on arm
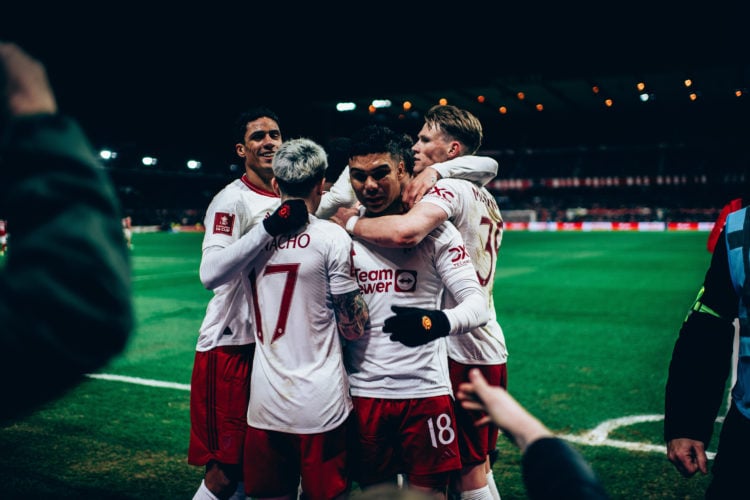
[352,314]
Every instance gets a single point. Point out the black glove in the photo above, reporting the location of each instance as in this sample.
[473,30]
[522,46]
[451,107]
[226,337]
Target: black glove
[413,326]
[291,215]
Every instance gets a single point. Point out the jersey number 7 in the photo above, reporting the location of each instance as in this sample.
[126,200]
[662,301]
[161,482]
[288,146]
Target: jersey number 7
[286,298]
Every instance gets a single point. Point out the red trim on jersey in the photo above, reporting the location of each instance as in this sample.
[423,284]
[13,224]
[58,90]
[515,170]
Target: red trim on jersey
[257,189]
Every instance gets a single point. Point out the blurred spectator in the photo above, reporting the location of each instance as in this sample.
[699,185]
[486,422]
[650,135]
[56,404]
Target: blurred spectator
[65,297]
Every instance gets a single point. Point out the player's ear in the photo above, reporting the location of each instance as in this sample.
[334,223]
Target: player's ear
[275,186]
[454,149]
[240,150]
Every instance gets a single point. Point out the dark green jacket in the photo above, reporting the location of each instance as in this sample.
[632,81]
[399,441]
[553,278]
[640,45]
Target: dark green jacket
[65,298]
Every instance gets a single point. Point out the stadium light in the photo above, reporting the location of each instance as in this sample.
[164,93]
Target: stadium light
[194,164]
[345,106]
[381,103]
[149,160]
[107,154]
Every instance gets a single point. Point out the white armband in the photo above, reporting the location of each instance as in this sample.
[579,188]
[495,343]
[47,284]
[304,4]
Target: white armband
[351,223]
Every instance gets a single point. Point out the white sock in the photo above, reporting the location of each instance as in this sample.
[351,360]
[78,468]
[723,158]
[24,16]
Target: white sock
[204,493]
[492,485]
[239,493]
[482,493]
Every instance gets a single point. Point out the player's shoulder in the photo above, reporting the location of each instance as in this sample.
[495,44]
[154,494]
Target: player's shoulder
[230,190]
[452,190]
[329,229]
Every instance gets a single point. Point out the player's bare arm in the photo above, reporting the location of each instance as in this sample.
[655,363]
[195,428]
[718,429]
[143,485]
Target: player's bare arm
[351,313]
[405,230]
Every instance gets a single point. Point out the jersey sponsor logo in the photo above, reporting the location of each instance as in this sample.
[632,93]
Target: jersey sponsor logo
[443,193]
[223,223]
[406,281]
[386,280]
[459,255]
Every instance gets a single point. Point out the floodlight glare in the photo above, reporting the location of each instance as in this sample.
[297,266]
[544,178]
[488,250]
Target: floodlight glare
[381,103]
[345,106]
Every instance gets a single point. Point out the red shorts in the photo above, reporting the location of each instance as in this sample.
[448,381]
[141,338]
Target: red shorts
[476,442]
[275,461]
[219,394]
[416,437]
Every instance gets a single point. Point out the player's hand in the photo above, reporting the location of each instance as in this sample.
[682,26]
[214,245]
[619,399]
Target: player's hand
[413,326]
[291,215]
[343,214]
[419,185]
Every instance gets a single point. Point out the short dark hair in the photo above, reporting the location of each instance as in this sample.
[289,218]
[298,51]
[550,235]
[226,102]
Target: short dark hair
[338,156]
[252,114]
[381,139]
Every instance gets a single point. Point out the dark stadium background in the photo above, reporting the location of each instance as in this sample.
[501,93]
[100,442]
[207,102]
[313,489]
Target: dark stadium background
[168,82]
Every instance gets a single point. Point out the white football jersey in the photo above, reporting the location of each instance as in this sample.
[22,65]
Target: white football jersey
[298,383]
[474,212]
[232,213]
[409,277]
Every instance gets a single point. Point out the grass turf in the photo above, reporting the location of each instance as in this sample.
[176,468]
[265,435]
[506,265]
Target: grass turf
[589,318]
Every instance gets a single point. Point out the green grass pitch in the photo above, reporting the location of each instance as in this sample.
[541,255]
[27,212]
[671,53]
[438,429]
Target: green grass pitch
[589,318]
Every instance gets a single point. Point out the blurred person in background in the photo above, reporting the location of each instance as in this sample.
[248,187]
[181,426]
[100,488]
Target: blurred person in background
[65,296]
[127,231]
[700,367]
[450,134]
[220,382]
[3,236]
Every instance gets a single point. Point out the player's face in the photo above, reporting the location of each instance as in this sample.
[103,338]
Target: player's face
[432,146]
[376,180]
[262,139]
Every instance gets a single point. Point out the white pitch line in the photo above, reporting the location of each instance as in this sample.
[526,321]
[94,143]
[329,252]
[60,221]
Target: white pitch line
[140,381]
[598,435]
[594,437]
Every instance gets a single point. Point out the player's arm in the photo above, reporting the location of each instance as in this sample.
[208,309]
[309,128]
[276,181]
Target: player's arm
[477,169]
[221,264]
[404,230]
[414,326]
[471,311]
[351,314]
[340,195]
